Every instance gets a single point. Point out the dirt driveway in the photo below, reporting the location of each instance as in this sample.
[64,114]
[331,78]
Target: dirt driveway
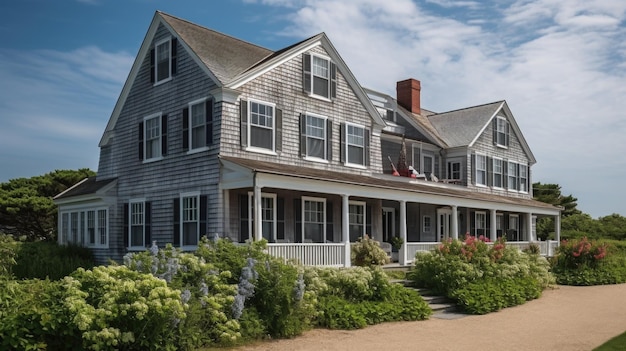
[566,318]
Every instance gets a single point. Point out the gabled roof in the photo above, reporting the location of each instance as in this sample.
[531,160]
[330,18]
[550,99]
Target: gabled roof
[230,62]
[87,186]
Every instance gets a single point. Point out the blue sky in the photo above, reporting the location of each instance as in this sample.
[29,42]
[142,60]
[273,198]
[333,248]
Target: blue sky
[561,66]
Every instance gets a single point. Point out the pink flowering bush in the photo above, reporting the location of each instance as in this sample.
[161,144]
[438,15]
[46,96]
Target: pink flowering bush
[582,252]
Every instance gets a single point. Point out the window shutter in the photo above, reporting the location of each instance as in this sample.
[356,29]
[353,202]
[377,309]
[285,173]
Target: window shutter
[243,130]
[164,135]
[517,178]
[306,73]
[174,55]
[203,215]
[343,133]
[280,218]
[176,228]
[494,124]
[329,221]
[297,214]
[505,174]
[333,80]
[186,128]
[489,171]
[302,135]
[147,224]
[141,133]
[368,220]
[152,68]
[367,147]
[473,175]
[243,216]
[279,130]
[329,140]
[209,121]
[126,228]
[506,140]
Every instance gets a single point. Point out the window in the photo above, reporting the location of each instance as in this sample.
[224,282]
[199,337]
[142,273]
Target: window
[136,225]
[480,223]
[512,176]
[87,227]
[190,220]
[163,60]
[198,124]
[513,232]
[454,170]
[319,76]
[152,138]
[499,224]
[315,135]
[428,165]
[523,178]
[261,130]
[356,219]
[313,214]
[497,173]
[481,170]
[426,224]
[357,140]
[268,216]
[501,132]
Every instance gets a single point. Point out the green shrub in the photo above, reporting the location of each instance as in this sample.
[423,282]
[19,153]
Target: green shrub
[49,260]
[8,247]
[493,294]
[367,252]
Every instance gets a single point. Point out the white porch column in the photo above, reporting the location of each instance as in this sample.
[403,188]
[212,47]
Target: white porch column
[402,259]
[258,222]
[557,228]
[455,222]
[493,232]
[345,229]
[529,227]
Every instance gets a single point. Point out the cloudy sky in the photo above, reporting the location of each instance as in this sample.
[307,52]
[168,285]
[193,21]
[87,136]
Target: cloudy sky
[560,65]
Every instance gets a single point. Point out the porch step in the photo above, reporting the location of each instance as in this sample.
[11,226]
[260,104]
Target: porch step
[442,307]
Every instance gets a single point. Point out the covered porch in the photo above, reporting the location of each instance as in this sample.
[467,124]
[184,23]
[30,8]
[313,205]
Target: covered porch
[313,216]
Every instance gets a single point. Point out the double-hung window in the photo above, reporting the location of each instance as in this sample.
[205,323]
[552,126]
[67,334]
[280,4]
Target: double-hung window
[163,60]
[319,76]
[190,220]
[314,215]
[454,170]
[355,144]
[356,218]
[268,216]
[152,138]
[498,172]
[481,170]
[480,219]
[136,224]
[198,125]
[261,126]
[316,135]
[513,232]
[501,132]
[523,178]
[512,176]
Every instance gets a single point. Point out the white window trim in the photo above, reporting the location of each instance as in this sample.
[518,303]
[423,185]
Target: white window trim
[506,136]
[361,204]
[526,181]
[313,199]
[193,150]
[426,229]
[476,170]
[499,221]
[312,94]
[158,115]
[261,150]
[156,63]
[195,194]
[423,158]
[64,237]
[251,213]
[513,218]
[130,227]
[313,158]
[348,163]
[508,175]
[493,173]
[484,227]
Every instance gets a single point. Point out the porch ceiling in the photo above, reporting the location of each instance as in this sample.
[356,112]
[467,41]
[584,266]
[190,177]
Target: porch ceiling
[239,172]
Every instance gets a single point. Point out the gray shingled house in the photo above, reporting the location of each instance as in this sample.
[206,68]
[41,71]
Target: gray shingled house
[212,135]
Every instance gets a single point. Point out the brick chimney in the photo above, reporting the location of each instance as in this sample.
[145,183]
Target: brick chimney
[408,94]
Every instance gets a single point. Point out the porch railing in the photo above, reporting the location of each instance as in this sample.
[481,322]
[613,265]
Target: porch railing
[310,254]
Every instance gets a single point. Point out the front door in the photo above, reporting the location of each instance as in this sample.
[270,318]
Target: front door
[444,226]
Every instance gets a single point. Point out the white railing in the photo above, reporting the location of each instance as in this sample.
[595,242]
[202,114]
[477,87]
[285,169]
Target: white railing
[414,247]
[310,254]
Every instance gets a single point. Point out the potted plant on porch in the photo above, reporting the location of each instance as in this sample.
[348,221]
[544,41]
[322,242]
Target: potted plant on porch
[396,244]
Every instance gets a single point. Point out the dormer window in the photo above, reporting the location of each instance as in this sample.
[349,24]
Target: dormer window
[355,143]
[163,61]
[319,76]
[501,132]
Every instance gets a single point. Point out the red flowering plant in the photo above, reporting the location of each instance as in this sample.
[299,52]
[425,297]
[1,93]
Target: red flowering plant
[581,253]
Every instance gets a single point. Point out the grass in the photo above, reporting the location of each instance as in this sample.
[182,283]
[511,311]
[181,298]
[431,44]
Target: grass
[615,344]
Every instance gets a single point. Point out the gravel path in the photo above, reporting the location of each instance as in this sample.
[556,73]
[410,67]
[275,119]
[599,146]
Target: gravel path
[566,318]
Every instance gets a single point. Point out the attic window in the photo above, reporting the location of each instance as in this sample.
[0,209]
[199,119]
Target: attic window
[501,132]
[319,76]
[163,61]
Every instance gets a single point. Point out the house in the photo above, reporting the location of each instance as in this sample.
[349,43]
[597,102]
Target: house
[215,136]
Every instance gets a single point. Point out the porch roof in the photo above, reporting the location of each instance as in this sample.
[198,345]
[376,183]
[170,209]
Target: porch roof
[393,188]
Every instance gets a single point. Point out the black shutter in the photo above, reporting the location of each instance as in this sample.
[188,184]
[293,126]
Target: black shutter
[473,170]
[342,152]
[164,135]
[297,214]
[186,128]
[333,80]
[244,233]
[279,130]
[329,139]
[517,179]
[368,221]
[176,228]
[506,136]
[203,215]
[367,148]
[152,68]
[489,171]
[280,218]
[174,55]
[494,124]
[306,73]
[209,121]
[126,228]
[329,222]
[147,224]
[302,135]
[141,133]
[505,174]
[243,130]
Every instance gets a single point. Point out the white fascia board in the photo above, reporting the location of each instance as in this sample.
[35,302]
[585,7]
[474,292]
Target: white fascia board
[518,133]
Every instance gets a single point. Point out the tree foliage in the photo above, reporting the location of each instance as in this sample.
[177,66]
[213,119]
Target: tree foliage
[551,193]
[26,206]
